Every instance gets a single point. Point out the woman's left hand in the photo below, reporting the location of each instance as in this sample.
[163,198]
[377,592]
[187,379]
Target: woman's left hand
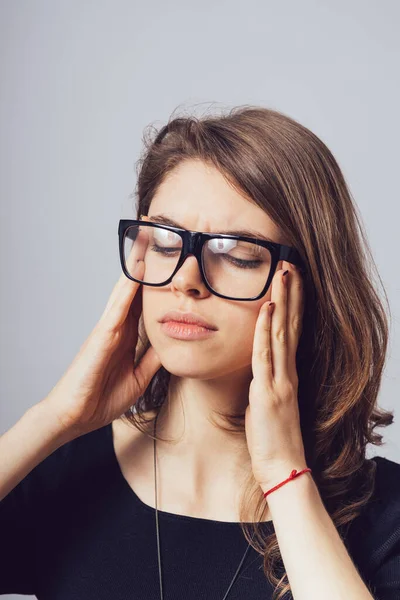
[272,419]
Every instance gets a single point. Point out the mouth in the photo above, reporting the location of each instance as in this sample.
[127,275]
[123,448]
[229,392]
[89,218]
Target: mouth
[187,319]
[186,331]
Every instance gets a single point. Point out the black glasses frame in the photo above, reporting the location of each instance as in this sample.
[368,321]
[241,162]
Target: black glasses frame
[192,244]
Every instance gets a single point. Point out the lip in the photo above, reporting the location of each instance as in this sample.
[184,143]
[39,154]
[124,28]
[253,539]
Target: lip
[187,318]
[186,331]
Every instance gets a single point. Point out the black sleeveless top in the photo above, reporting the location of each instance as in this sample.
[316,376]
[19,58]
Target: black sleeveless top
[73,528]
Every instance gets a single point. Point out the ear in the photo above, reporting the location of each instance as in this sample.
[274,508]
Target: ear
[144,218]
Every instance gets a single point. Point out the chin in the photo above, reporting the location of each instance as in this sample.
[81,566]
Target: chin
[189,363]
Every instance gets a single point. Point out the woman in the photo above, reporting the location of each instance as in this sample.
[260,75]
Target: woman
[231,461]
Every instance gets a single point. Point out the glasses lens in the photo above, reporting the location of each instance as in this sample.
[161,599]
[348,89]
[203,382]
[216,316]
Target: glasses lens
[236,268]
[232,267]
[159,248]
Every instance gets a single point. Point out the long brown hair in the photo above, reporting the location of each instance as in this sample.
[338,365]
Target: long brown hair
[290,173]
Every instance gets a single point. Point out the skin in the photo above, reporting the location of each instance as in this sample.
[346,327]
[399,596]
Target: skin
[205,464]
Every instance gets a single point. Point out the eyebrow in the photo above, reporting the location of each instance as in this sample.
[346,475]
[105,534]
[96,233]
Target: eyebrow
[163,220]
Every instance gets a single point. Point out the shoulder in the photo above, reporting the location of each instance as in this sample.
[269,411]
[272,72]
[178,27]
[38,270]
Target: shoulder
[374,536]
[82,459]
[387,472]
[379,536]
[67,468]
[384,503]
[385,499]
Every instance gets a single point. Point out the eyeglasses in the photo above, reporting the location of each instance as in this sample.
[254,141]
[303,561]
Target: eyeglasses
[231,266]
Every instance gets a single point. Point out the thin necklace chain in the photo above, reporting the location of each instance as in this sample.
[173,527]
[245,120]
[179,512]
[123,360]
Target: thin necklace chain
[158,533]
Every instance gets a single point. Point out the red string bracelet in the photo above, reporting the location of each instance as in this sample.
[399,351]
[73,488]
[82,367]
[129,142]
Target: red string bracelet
[292,475]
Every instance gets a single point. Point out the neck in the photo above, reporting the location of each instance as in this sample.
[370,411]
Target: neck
[197,448]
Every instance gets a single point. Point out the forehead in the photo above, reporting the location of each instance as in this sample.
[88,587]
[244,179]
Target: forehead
[198,197]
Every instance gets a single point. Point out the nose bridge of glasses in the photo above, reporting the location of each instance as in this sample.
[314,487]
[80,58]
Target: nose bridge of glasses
[192,243]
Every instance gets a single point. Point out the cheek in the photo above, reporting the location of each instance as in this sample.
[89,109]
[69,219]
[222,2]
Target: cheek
[238,329]
[150,308]
[244,327]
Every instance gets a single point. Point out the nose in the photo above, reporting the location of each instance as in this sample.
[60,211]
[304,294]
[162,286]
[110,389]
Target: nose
[188,278]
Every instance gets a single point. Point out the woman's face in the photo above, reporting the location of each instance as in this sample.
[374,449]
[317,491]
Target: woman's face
[197,197]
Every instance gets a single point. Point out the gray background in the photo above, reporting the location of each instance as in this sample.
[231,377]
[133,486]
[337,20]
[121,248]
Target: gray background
[80,80]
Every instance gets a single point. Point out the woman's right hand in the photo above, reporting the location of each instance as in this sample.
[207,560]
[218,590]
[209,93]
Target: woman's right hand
[101,383]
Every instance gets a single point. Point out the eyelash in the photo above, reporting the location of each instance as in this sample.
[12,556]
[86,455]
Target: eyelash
[244,264]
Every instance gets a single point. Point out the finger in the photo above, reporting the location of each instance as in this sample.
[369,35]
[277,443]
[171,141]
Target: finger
[262,364]
[132,258]
[121,298]
[294,315]
[279,340]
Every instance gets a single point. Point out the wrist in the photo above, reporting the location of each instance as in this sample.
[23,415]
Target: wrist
[43,418]
[298,494]
[282,478]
